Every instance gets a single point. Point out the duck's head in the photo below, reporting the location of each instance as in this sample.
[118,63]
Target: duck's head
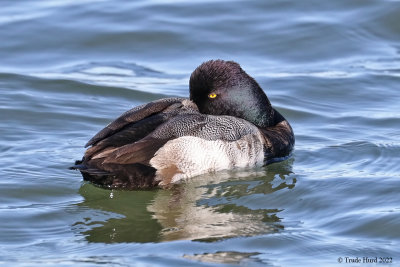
[223,88]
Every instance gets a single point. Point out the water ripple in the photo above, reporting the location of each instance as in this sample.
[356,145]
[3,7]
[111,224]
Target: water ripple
[124,75]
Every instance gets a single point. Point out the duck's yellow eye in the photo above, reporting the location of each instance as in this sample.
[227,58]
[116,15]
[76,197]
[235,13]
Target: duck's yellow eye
[212,95]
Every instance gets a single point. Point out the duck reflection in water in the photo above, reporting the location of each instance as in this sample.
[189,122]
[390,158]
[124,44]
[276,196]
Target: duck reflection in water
[209,208]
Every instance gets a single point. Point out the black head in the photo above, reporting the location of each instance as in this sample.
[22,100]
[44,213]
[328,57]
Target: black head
[223,88]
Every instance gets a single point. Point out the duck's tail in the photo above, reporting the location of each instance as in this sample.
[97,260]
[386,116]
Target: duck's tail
[129,176]
[78,165]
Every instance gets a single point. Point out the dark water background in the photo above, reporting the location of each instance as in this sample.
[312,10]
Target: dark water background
[67,68]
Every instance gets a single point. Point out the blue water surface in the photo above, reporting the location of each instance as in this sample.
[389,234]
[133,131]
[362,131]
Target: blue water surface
[332,68]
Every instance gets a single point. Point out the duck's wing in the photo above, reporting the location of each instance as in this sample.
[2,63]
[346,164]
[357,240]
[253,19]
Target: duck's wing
[136,123]
[134,115]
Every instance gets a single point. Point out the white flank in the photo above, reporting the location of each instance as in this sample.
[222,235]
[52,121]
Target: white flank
[192,156]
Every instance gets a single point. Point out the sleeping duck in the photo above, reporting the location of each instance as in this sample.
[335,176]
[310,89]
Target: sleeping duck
[228,122]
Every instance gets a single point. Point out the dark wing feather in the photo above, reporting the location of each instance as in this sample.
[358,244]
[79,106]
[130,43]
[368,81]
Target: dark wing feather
[131,127]
[139,152]
[136,114]
[130,133]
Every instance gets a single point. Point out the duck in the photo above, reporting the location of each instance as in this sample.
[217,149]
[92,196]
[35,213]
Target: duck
[226,123]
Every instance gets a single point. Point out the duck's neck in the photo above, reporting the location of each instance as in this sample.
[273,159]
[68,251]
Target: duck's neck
[262,115]
[256,108]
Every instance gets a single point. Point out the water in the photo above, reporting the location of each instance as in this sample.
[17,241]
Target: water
[331,67]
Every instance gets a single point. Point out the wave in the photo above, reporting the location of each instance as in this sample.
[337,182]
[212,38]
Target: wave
[99,79]
[338,69]
[122,75]
[360,159]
